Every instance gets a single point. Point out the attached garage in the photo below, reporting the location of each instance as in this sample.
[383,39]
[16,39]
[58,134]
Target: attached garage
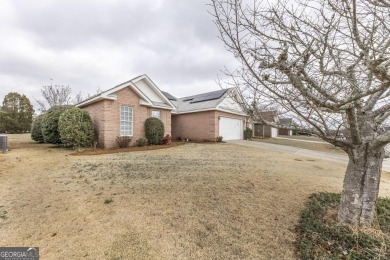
[230,128]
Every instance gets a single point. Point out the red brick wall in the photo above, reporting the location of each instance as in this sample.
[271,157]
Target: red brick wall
[195,126]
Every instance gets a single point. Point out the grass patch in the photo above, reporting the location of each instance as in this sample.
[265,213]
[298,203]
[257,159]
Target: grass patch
[321,237]
[108,201]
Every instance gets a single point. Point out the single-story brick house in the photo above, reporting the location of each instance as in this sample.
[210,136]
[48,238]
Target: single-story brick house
[123,109]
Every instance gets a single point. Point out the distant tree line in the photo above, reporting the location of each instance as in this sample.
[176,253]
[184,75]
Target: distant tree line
[16,114]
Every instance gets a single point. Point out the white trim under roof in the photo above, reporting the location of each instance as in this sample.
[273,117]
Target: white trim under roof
[210,109]
[145,101]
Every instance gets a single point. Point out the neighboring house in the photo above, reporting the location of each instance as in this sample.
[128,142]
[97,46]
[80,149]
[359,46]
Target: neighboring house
[285,123]
[266,131]
[122,110]
[207,116]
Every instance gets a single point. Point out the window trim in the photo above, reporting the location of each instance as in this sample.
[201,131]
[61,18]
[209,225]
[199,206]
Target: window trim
[159,114]
[131,121]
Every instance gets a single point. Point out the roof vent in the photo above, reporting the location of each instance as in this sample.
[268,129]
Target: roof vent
[3,143]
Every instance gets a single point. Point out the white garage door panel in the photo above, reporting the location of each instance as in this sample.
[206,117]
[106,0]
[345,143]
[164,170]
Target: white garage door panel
[230,129]
[274,132]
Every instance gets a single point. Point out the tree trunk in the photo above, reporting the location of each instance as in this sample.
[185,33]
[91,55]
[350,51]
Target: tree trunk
[361,186]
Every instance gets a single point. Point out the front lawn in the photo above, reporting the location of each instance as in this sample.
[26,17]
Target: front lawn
[193,201]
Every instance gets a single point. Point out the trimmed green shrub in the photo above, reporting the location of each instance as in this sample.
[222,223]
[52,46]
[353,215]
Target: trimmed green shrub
[123,141]
[142,142]
[36,129]
[50,131]
[154,130]
[248,133]
[76,128]
[219,139]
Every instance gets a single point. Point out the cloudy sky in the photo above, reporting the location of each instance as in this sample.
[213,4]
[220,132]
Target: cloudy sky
[89,44]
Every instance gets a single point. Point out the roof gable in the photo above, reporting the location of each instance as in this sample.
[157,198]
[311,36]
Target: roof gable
[270,116]
[145,88]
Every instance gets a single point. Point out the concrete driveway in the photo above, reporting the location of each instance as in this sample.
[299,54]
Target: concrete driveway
[299,151]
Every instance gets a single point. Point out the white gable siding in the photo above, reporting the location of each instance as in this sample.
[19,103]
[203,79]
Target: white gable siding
[230,104]
[148,91]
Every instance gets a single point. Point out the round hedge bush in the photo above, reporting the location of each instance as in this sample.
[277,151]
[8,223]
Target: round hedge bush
[36,129]
[154,130]
[50,130]
[76,128]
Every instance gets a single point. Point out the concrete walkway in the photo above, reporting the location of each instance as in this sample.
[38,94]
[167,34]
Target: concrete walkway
[300,140]
[303,152]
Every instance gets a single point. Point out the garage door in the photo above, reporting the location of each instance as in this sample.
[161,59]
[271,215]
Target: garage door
[230,129]
[274,132]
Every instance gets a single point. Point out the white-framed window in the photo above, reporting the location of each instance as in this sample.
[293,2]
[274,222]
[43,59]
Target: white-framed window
[126,123]
[156,114]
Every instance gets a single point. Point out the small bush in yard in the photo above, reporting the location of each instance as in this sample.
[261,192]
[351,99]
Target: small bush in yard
[248,133]
[166,139]
[142,142]
[154,130]
[219,138]
[36,129]
[321,237]
[50,131]
[76,128]
[108,201]
[123,141]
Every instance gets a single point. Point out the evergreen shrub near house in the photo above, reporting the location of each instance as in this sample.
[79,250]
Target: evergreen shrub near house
[50,131]
[154,130]
[36,129]
[248,133]
[76,128]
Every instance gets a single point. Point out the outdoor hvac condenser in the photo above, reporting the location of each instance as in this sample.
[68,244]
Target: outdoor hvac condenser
[3,143]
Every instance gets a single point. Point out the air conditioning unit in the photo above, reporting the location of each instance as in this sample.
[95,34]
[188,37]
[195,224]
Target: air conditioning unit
[3,143]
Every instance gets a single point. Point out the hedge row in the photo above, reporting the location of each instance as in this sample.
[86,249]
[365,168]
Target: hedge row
[66,125]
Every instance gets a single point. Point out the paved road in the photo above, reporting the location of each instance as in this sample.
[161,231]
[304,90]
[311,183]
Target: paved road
[299,151]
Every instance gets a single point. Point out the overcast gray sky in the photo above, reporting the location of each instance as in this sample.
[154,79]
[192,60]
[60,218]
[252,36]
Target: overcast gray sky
[89,44]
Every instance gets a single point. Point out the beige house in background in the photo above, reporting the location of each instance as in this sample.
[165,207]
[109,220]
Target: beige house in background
[122,111]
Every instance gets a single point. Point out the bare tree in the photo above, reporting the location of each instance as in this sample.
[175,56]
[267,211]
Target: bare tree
[326,62]
[54,96]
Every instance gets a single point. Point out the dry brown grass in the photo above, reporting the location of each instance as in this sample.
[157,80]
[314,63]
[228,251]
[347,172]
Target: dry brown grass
[195,201]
